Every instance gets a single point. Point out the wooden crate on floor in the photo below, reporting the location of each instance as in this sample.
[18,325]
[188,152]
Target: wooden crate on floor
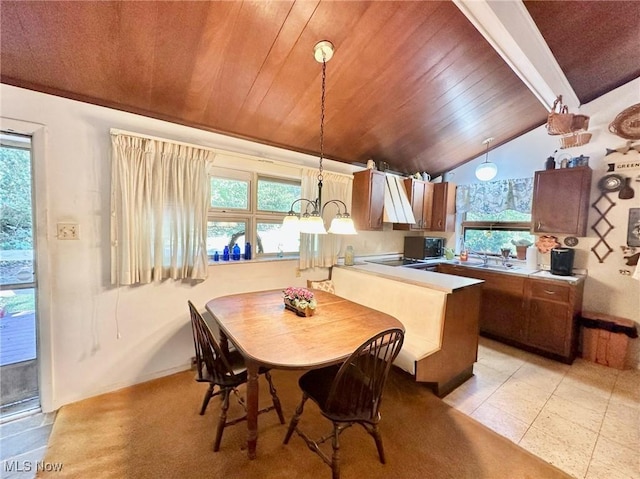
[605,338]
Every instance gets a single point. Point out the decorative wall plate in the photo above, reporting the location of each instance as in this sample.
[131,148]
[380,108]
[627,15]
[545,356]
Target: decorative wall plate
[609,183]
[627,123]
[571,241]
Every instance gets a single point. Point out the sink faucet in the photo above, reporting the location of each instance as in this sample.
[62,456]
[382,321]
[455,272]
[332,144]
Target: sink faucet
[484,257]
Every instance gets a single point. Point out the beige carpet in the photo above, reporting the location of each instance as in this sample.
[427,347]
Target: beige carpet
[153,430]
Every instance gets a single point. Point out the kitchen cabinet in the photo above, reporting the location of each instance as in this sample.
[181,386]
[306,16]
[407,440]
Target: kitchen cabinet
[553,311]
[561,201]
[367,205]
[538,315]
[420,194]
[502,312]
[443,217]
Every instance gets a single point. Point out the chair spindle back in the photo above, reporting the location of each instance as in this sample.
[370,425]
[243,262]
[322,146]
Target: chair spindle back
[358,385]
[208,352]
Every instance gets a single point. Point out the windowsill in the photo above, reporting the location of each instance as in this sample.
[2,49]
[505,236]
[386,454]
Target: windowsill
[266,259]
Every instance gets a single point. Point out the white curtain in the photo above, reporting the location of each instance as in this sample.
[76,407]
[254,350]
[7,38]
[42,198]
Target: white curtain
[159,200]
[322,250]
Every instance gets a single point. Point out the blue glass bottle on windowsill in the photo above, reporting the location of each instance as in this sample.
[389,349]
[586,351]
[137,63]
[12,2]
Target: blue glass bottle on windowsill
[247,250]
[216,256]
[225,254]
[236,252]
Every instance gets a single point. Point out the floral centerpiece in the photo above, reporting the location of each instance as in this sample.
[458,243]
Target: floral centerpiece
[299,300]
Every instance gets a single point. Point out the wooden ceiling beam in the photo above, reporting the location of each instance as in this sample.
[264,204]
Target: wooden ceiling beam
[510,30]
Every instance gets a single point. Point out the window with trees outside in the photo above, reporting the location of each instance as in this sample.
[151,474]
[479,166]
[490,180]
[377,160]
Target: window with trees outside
[489,233]
[247,206]
[495,215]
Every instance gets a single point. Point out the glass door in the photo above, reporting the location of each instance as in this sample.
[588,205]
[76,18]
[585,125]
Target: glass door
[18,320]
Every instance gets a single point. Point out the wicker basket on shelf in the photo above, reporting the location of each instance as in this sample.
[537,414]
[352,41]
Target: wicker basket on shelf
[577,138]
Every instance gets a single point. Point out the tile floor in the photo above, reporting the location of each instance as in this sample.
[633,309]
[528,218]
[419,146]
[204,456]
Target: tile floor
[583,418]
[23,442]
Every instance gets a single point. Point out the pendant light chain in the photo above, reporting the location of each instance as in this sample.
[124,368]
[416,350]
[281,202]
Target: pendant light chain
[324,78]
[310,220]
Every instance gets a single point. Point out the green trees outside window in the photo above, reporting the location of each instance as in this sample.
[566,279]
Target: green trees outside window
[15,199]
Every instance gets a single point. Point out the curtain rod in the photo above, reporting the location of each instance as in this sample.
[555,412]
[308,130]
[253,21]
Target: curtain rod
[116,131]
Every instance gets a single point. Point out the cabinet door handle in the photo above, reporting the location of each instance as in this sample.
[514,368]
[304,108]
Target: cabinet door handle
[539,227]
[549,292]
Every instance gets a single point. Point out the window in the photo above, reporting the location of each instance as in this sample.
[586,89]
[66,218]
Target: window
[276,195]
[228,193]
[247,206]
[496,214]
[488,233]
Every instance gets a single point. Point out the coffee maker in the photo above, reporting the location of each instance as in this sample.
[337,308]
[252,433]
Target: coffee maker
[562,261]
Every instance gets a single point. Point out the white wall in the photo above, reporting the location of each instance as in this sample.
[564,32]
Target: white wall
[606,290]
[81,314]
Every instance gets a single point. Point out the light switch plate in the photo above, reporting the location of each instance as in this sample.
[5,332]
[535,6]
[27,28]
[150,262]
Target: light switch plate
[68,231]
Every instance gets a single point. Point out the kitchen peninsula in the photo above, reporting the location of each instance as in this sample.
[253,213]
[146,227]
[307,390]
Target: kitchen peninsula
[440,314]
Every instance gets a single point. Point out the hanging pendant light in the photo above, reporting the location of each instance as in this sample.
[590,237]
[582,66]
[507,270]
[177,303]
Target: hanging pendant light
[310,221]
[486,171]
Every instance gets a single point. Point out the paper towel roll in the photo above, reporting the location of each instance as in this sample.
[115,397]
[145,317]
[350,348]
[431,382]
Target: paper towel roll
[532,257]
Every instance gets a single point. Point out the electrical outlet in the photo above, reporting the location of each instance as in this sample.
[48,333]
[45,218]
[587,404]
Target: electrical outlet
[68,231]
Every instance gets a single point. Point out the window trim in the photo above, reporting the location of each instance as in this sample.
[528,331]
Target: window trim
[494,226]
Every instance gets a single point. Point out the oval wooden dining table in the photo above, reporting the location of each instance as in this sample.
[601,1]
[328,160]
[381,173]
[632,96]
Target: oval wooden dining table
[268,335]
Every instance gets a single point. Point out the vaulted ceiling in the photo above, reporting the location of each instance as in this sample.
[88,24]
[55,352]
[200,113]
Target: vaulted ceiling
[417,84]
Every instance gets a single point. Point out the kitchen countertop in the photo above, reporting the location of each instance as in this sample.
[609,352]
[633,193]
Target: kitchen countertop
[438,281]
[544,274]
[519,271]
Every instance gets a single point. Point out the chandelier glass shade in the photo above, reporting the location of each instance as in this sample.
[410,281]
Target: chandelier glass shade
[310,218]
[486,171]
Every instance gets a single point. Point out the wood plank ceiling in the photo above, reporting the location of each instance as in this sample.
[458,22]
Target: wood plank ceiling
[411,83]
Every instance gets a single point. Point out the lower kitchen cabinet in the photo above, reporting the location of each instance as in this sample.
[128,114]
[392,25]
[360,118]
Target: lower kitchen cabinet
[501,308]
[538,315]
[553,309]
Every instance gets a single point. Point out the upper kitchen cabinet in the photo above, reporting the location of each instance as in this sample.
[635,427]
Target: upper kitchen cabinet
[443,216]
[561,201]
[367,206]
[420,195]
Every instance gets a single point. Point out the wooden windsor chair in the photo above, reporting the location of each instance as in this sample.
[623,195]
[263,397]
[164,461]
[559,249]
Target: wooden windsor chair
[224,370]
[349,393]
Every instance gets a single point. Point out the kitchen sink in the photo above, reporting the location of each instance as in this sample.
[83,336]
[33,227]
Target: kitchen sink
[496,267]
[508,267]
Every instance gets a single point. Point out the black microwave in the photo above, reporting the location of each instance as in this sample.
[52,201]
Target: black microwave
[419,247]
